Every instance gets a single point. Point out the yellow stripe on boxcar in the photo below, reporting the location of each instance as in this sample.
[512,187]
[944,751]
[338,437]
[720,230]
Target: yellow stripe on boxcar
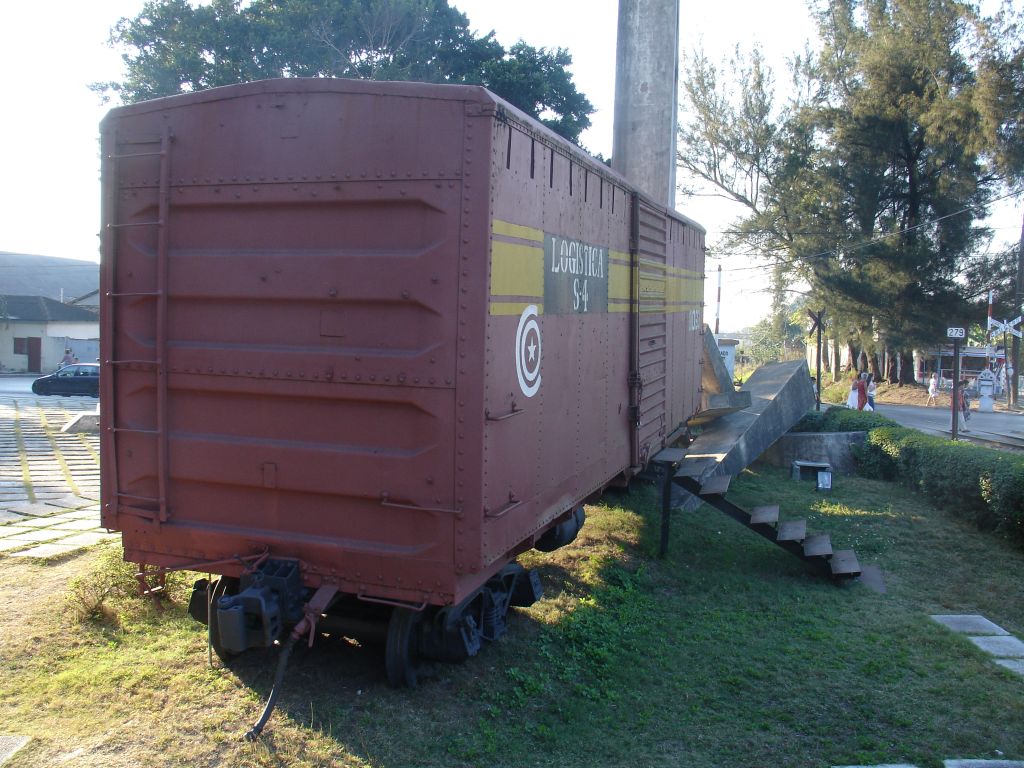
[513,307]
[507,229]
[516,270]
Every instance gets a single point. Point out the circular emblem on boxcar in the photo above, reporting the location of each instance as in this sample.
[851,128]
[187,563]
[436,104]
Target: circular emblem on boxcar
[528,351]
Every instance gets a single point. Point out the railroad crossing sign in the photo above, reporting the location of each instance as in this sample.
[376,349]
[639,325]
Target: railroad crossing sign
[1006,326]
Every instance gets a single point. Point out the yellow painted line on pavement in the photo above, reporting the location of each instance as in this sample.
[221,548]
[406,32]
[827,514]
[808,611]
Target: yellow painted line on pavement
[26,476]
[68,477]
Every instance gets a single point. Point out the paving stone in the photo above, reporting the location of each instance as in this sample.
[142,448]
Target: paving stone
[83,514]
[970,624]
[9,745]
[72,502]
[37,535]
[31,509]
[77,525]
[6,545]
[84,539]
[14,530]
[7,517]
[37,522]
[1014,665]
[45,551]
[1003,647]
[983,764]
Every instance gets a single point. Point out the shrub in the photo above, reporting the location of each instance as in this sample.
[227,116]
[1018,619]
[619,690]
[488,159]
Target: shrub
[842,420]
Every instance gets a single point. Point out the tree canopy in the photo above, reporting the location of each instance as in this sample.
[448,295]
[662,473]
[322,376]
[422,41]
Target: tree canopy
[870,181]
[173,46]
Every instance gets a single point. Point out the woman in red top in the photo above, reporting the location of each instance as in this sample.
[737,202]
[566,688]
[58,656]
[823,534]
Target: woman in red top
[862,391]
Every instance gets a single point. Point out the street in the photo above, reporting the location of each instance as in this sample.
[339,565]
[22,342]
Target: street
[999,426]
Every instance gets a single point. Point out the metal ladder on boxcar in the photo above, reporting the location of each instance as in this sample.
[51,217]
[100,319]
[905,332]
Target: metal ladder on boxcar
[153,508]
[790,535]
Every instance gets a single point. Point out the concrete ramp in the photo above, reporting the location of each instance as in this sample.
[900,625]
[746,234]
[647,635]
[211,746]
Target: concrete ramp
[718,395]
[780,394]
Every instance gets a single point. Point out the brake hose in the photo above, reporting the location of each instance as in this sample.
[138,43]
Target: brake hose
[282,664]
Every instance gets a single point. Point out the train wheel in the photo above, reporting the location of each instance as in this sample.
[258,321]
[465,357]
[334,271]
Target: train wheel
[400,651]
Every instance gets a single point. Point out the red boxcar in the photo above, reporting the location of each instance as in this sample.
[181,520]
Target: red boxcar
[387,334]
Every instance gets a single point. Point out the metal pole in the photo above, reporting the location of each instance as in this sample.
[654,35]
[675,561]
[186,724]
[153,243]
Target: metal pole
[817,394]
[1020,311]
[718,306]
[956,386]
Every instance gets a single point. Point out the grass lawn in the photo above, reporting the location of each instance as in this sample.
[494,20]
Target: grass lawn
[729,652]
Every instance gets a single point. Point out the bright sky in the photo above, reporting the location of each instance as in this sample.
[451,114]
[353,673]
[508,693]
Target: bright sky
[49,157]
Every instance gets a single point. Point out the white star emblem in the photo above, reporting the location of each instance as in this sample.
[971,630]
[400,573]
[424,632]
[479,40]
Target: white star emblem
[532,346]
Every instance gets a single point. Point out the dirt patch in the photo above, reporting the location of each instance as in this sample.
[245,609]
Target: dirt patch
[32,598]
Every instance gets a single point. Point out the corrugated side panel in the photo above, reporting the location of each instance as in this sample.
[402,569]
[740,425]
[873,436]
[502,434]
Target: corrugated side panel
[685,315]
[307,342]
[655,280]
[557,358]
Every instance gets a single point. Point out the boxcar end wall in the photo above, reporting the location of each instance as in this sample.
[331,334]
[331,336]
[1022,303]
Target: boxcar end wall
[392,330]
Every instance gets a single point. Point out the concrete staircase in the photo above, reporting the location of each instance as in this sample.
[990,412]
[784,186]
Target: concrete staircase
[780,394]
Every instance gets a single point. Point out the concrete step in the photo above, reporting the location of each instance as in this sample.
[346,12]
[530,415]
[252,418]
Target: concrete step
[792,530]
[819,545]
[844,563]
[768,515]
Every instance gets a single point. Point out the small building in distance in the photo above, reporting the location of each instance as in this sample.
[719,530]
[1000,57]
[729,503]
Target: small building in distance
[35,331]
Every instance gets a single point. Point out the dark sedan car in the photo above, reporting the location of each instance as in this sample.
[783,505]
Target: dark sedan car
[76,379]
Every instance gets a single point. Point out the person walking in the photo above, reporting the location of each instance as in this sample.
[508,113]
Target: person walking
[933,389]
[851,397]
[862,391]
[963,411]
[871,391]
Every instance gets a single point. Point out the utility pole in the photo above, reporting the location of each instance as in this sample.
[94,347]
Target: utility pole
[819,320]
[1012,396]
[718,305]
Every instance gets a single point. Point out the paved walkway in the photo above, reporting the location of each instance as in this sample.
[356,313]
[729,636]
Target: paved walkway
[49,480]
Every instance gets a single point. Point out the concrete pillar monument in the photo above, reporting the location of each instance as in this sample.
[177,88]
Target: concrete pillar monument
[646,94]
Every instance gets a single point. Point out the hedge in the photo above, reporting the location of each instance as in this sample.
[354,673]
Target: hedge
[983,485]
[842,420]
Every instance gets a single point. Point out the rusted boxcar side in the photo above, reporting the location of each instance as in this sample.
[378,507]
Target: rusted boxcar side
[388,332]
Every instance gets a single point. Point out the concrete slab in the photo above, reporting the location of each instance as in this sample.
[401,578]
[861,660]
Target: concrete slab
[36,522]
[87,524]
[969,624]
[37,535]
[45,551]
[872,578]
[71,502]
[85,539]
[83,422]
[1014,665]
[11,744]
[6,545]
[28,508]
[8,517]
[1008,647]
